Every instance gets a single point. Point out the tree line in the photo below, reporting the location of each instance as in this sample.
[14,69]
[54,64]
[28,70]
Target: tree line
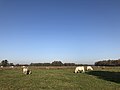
[54,63]
[59,63]
[6,63]
[108,63]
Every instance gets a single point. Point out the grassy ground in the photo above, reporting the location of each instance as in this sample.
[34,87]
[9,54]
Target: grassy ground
[106,78]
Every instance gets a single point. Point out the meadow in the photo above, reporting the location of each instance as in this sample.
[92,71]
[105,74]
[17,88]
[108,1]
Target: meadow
[60,78]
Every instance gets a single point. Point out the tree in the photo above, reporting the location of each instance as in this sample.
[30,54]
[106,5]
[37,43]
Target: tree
[69,64]
[108,63]
[57,63]
[4,63]
[11,64]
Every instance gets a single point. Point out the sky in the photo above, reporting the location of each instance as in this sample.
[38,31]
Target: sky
[76,31]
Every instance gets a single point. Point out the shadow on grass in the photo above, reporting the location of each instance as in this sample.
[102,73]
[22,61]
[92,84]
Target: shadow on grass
[106,75]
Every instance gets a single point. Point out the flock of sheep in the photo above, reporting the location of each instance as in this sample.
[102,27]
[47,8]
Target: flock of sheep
[82,69]
[78,69]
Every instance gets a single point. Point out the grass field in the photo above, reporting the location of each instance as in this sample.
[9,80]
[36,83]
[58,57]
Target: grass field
[55,78]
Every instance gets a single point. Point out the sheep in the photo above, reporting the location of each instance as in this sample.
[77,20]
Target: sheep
[79,69]
[1,66]
[89,68]
[23,66]
[47,67]
[26,70]
[11,66]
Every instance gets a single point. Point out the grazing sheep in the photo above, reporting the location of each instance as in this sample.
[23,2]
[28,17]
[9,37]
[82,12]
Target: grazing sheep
[79,69]
[47,67]
[23,66]
[89,68]
[11,66]
[26,71]
[103,67]
[1,66]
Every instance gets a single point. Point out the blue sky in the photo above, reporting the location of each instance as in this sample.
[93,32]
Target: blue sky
[79,31]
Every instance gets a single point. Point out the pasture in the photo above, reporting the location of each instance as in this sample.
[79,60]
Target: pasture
[60,78]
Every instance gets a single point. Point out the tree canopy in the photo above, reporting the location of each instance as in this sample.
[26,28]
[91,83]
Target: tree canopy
[108,63]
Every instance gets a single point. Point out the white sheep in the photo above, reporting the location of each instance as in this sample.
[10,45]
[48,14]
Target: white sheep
[23,66]
[79,69]
[26,70]
[47,67]
[89,68]
[1,66]
[11,66]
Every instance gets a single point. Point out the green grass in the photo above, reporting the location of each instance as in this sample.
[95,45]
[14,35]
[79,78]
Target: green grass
[60,79]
